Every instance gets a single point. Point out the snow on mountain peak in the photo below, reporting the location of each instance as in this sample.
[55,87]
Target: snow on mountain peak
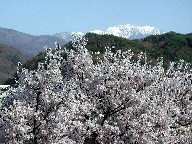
[126,31]
[132,32]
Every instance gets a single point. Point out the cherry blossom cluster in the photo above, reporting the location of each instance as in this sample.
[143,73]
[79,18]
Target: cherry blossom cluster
[115,100]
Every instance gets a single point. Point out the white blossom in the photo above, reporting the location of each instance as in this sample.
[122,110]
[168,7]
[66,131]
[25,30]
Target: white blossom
[116,100]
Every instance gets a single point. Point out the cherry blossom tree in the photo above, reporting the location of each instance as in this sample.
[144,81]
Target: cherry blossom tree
[116,100]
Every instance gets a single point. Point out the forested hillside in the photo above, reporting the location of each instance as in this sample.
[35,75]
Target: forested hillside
[171,46]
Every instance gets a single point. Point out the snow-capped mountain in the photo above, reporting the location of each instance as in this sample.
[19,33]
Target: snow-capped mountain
[132,32]
[126,31]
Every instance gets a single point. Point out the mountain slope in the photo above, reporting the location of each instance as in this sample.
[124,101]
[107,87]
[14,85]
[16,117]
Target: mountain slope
[171,46]
[9,57]
[28,44]
[126,31]
[98,42]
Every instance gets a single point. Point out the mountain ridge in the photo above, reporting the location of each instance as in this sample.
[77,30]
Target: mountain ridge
[31,45]
[126,31]
[28,44]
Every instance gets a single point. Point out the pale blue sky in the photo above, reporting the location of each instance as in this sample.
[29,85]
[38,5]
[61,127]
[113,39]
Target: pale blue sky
[52,16]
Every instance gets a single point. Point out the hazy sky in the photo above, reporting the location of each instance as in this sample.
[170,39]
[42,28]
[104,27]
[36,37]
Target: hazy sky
[53,16]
